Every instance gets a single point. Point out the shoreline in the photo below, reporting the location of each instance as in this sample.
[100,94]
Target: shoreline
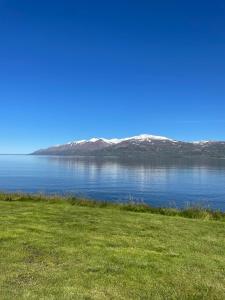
[191,212]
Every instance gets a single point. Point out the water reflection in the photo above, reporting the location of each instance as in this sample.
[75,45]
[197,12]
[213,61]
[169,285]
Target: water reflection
[157,182]
[132,163]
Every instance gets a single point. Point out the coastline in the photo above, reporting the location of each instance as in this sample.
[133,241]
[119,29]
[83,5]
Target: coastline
[192,211]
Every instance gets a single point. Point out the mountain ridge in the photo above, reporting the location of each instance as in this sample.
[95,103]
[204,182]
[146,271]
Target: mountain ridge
[141,146]
[118,140]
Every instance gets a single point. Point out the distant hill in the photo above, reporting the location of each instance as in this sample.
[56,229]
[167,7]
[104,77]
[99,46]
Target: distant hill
[142,146]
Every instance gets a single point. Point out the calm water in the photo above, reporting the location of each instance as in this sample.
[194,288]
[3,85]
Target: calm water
[158,183]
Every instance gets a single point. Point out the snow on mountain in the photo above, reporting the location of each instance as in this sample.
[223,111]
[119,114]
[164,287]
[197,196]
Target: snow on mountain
[200,142]
[141,137]
[148,137]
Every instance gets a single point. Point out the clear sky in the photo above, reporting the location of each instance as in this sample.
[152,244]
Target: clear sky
[77,69]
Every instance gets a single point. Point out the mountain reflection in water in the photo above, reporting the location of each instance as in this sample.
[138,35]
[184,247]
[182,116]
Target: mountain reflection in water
[161,183]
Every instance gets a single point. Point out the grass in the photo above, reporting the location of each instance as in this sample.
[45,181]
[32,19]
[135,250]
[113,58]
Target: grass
[80,249]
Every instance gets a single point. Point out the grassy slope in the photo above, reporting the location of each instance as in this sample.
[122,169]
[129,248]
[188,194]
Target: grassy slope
[55,250]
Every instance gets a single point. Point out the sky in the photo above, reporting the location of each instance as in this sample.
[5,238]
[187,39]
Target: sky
[72,70]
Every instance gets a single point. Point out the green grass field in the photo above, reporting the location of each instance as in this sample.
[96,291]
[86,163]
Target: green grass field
[53,249]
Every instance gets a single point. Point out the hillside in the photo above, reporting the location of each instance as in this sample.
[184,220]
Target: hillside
[143,146]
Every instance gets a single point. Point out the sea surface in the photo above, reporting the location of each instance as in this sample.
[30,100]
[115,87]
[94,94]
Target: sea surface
[168,183]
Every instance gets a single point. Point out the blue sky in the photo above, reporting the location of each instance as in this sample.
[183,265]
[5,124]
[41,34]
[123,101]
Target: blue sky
[77,69]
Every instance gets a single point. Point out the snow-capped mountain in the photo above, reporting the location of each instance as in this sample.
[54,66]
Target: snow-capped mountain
[144,146]
[141,137]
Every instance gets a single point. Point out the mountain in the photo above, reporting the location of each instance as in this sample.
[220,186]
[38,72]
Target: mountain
[141,146]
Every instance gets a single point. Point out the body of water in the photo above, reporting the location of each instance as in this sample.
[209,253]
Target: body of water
[159,183]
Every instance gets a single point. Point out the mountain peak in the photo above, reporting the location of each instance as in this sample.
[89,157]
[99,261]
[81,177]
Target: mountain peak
[144,137]
[141,137]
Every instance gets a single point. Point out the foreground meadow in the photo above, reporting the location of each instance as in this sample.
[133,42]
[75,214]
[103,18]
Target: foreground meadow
[65,250]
